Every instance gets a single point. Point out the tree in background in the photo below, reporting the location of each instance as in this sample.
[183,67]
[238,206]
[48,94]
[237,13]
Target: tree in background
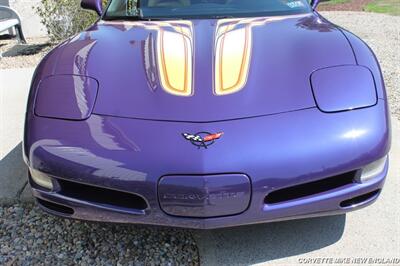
[64,18]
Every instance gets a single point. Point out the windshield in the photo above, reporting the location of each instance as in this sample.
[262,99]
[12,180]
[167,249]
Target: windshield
[167,9]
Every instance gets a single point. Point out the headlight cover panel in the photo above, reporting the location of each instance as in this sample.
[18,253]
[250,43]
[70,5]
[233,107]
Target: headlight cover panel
[69,97]
[343,88]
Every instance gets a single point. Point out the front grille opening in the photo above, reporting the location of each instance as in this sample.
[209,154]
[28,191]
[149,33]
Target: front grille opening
[56,207]
[102,196]
[309,189]
[359,199]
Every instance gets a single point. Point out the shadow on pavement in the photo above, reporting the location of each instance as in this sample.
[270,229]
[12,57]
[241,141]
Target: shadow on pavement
[13,175]
[264,242]
[25,49]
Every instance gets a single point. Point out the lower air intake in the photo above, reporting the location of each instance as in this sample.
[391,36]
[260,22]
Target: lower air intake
[309,189]
[56,207]
[102,196]
[359,199]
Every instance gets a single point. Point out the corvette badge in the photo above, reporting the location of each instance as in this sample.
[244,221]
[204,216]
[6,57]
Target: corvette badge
[202,139]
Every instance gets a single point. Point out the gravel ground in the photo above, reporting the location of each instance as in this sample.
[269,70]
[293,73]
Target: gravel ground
[30,237]
[382,33]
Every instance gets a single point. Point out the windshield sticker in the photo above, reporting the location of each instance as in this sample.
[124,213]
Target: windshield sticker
[295,4]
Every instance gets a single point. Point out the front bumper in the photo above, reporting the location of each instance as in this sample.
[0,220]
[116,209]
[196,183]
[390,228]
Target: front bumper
[274,152]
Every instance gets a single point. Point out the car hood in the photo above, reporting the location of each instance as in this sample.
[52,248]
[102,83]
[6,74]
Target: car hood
[204,70]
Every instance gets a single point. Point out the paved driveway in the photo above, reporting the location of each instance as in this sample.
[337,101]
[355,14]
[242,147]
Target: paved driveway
[14,87]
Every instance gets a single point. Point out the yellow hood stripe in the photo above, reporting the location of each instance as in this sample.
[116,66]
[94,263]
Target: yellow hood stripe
[175,64]
[175,53]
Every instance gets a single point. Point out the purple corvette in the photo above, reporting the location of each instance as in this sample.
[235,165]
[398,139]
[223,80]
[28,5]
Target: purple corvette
[207,114]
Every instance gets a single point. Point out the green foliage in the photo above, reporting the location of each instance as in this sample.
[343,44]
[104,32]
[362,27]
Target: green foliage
[64,18]
[336,2]
[391,7]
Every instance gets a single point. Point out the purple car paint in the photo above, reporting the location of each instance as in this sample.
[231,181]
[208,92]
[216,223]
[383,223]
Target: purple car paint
[74,104]
[362,93]
[296,136]
[204,195]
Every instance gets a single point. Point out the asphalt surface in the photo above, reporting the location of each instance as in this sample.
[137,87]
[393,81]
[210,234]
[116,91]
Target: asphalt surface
[28,236]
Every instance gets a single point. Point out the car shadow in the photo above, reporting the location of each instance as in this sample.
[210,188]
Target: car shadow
[25,49]
[265,242]
[13,175]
